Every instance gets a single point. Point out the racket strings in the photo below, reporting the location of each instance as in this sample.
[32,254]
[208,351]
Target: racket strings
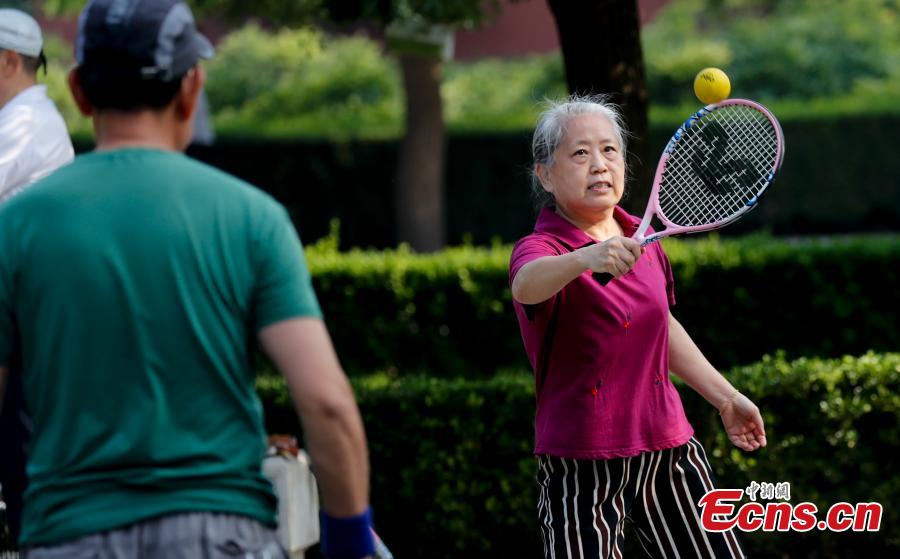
[704,165]
[718,166]
[697,193]
[694,192]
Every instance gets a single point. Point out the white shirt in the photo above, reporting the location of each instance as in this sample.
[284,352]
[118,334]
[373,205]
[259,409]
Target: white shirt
[33,140]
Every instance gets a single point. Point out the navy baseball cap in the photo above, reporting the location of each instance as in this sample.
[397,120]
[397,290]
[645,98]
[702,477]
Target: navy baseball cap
[146,39]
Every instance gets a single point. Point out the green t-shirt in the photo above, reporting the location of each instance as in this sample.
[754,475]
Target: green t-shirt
[133,284]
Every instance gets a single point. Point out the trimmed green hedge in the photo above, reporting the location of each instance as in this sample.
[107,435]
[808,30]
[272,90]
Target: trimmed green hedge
[453,475]
[401,312]
[451,463]
[450,313]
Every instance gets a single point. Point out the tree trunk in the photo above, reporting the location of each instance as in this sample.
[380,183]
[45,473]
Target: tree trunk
[601,46]
[420,169]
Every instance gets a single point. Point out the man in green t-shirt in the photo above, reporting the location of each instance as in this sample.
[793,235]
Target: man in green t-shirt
[134,284]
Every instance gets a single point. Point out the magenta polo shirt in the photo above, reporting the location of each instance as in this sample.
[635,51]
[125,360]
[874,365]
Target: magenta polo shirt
[602,376]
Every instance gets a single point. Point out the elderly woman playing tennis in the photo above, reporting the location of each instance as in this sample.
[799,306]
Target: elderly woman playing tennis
[611,436]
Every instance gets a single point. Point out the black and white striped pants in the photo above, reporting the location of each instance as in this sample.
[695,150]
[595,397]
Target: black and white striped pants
[584,504]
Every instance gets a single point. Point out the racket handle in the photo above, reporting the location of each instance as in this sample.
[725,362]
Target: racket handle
[603,277]
[381,550]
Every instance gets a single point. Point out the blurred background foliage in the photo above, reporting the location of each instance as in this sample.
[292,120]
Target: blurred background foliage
[804,58]
[303,82]
[60,58]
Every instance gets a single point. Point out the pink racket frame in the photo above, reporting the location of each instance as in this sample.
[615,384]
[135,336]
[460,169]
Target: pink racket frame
[653,205]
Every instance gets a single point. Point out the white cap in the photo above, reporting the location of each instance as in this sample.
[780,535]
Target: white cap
[20,32]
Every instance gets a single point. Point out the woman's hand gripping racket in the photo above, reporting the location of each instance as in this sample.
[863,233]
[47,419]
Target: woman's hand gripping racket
[713,171]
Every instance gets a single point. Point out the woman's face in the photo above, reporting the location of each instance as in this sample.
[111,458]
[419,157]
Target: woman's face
[587,177]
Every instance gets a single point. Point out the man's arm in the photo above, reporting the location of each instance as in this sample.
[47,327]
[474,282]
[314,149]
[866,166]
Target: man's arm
[741,417]
[302,351]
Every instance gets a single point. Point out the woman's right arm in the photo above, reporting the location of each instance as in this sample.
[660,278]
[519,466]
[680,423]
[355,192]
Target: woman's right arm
[544,277]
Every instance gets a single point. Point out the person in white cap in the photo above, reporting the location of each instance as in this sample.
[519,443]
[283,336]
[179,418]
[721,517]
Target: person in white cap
[33,136]
[33,143]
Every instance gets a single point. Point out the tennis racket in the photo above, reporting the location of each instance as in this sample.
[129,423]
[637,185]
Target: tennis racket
[713,171]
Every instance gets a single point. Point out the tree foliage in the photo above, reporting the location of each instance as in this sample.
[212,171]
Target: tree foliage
[301,12]
[463,13]
[792,49]
[303,82]
[257,74]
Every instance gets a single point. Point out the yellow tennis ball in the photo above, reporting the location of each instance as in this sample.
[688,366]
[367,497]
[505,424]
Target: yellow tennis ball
[711,85]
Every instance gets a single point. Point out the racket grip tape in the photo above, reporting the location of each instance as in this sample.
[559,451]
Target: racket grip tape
[603,277]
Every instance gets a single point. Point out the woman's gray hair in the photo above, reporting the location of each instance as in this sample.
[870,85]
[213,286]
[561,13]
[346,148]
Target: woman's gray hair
[551,128]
